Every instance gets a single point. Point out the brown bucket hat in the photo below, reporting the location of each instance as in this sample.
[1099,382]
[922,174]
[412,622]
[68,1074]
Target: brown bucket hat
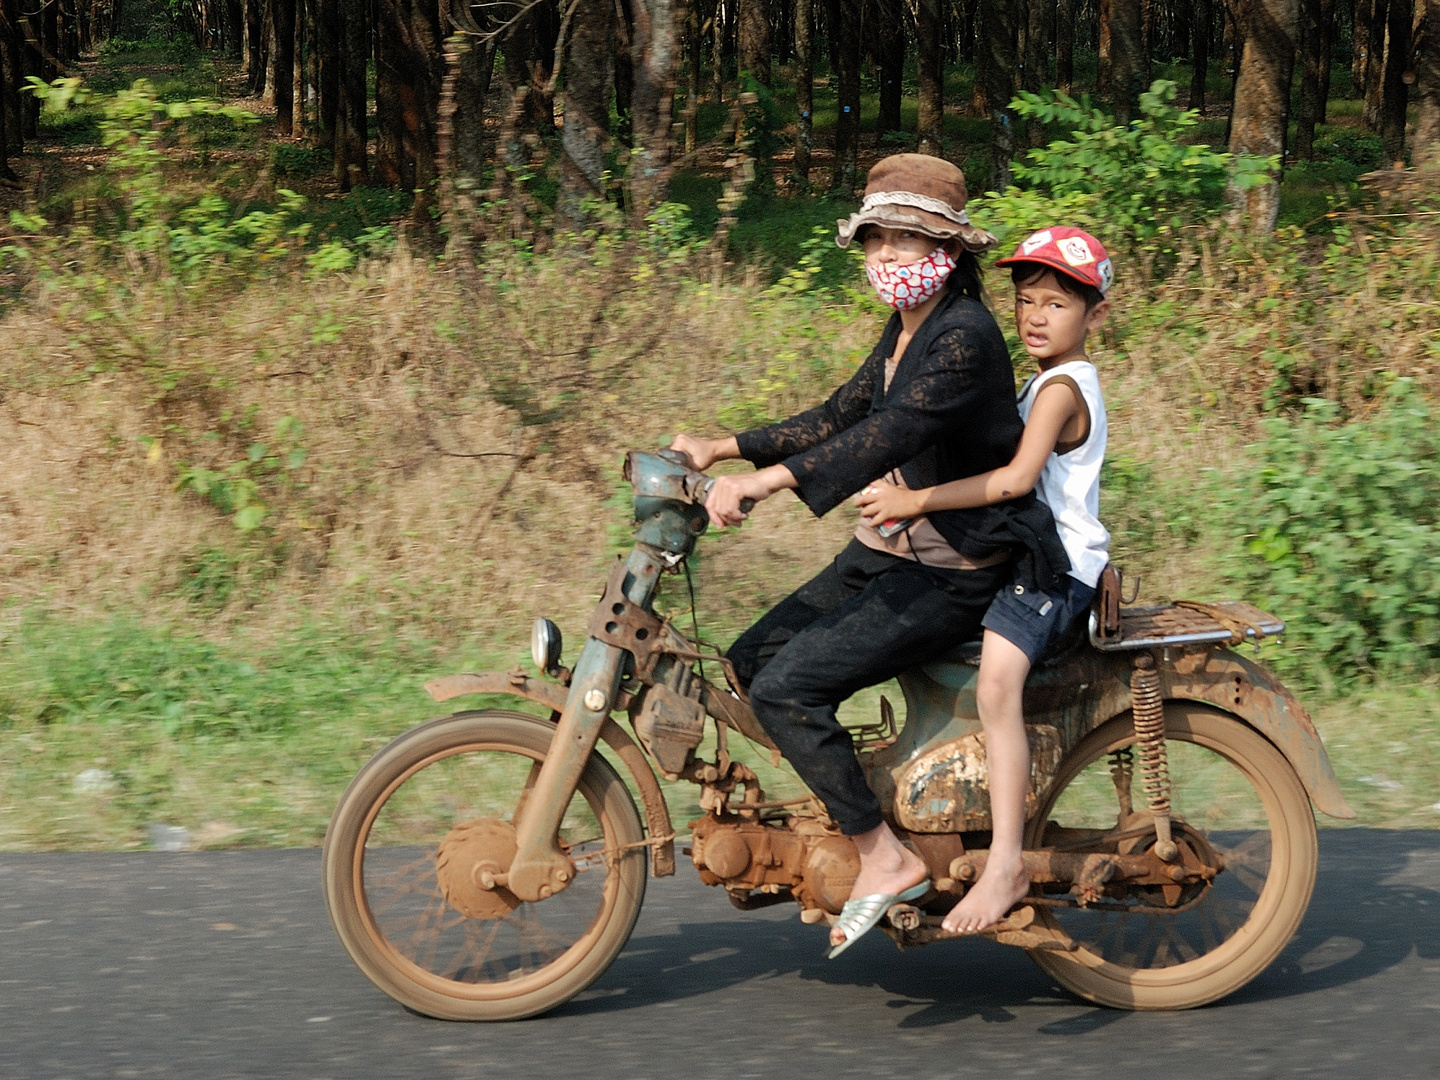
[919,192]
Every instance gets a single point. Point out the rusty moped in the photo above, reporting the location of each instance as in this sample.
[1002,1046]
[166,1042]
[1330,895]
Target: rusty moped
[491,864]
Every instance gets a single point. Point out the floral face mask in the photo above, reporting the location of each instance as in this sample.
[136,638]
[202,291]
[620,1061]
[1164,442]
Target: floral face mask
[911,284]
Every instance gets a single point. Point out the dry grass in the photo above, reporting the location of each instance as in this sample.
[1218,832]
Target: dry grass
[463,431]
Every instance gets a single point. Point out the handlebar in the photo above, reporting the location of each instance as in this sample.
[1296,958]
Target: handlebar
[698,482]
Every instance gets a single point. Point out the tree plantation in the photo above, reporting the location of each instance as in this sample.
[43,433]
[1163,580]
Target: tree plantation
[607,97]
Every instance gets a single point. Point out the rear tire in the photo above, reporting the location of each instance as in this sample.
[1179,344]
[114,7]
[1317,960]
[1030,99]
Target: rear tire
[1260,820]
[386,901]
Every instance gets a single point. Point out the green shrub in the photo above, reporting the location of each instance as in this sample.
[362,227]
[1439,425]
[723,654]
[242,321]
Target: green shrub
[1342,537]
[1143,180]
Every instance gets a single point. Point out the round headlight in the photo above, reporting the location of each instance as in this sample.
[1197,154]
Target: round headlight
[545,645]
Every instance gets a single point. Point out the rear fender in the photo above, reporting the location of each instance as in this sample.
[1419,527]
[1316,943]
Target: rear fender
[1228,681]
[552,696]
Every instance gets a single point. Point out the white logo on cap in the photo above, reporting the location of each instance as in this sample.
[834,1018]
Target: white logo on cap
[1037,240]
[1107,275]
[1076,251]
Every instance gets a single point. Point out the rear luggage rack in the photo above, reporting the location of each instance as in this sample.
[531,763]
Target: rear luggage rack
[1185,622]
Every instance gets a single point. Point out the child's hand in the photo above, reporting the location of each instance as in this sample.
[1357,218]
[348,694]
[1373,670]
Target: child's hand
[882,501]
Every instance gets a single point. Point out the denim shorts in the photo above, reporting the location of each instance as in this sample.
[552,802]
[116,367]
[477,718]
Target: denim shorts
[1037,621]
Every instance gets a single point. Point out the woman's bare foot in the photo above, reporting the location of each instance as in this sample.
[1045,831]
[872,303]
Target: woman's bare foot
[1001,885]
[886,866]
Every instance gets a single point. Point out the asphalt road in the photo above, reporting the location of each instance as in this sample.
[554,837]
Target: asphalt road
[224,965]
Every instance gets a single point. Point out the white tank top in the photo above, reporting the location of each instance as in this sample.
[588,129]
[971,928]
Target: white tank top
[1070,482]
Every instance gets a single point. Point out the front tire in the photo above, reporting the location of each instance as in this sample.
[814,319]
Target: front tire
[1231,786]
[428,808]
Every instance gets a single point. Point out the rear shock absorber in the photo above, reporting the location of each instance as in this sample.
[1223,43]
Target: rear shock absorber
[1148,709]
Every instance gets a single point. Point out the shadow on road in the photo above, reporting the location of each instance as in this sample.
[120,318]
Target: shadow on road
[1376,902]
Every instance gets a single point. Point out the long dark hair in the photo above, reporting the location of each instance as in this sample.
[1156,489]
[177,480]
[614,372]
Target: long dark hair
[965,278]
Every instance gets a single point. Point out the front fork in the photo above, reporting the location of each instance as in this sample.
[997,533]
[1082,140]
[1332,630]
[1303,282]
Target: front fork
[541,868]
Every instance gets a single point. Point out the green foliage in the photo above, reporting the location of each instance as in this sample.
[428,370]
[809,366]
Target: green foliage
[240,489]
[209,578]
[120,674]
[1143,181]
[182,230]
[1342,528]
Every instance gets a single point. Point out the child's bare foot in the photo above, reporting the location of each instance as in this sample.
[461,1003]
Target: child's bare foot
[1001,885]
[892,869]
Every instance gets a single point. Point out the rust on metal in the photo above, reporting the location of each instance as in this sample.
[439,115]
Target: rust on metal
[470,868]
[1148,709]
[1230,682]
[947,789]
[552,696]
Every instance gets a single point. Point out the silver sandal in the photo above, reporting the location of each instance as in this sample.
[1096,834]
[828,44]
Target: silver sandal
[858,917]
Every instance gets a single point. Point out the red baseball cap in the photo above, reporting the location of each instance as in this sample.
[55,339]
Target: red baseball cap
[1070,251]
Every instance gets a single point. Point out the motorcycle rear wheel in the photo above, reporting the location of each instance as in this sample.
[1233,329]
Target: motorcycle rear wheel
[402,847]
[1234,788]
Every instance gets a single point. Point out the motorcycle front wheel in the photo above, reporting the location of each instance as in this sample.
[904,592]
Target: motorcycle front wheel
[1232,791]
[411,840]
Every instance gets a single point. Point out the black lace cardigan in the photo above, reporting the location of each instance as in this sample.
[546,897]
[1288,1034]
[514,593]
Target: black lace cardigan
[949,413]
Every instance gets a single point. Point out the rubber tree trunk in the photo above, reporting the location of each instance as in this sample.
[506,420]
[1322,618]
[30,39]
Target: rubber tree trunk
[352,126]
[890,15]
[234,28]
[408,74]
[1425,139]
[804,90]
[472,89]
[694,56]
[930,53]
[283,20]
[1377,15]
[529,51]
[589,82]
[1128,62]
[1203,22]
[655,58]
[624,72]
[255,46]
[1065,45]
[1395,97]
[754,39]
[7,174]
[843,22]
[996,63]
[1359,42]
[717,51]
[311,95]
[30,18]
[394,78]
[1034,46]
[1103,52]
[328,46]
[1262,97]
[12,70]
[1316,19]
[1181,12]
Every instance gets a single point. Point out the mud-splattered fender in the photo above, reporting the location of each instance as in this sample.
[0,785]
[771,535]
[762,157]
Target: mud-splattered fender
[552,696]
[1228,681]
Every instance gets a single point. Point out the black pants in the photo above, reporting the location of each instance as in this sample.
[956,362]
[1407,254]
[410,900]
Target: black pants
[864,619]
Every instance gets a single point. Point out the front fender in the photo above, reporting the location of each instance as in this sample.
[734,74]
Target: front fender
[552,696]
[1228,681]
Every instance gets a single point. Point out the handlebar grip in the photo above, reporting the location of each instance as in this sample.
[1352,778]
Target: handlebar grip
[746,505]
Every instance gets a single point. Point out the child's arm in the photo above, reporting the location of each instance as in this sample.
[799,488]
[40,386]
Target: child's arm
[1055,407]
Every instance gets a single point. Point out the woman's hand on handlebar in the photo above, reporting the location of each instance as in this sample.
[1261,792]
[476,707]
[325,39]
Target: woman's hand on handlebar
[705,452]
[722,502]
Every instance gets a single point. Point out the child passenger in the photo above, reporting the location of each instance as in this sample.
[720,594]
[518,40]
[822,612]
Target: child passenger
[1061,276]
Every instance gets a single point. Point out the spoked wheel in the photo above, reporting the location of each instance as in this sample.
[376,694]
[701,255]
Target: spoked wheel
[407,856]
[1233,795]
